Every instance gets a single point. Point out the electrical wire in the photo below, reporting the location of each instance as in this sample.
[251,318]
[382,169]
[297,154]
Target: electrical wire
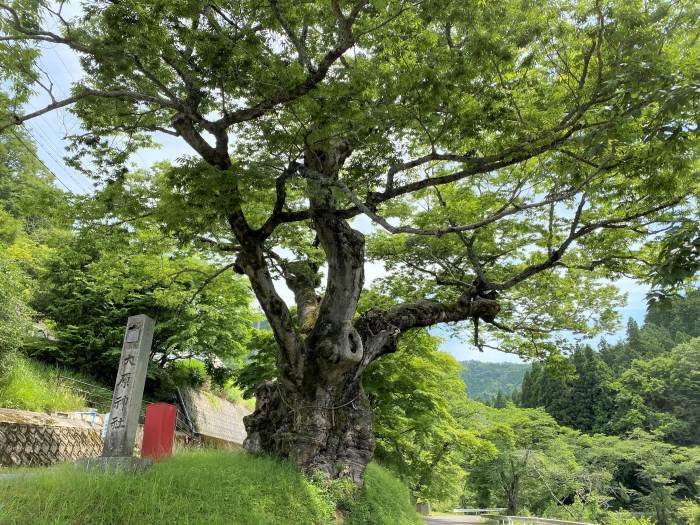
[33,153]
[81,182]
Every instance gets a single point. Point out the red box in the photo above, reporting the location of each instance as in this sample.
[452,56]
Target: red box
[158,431]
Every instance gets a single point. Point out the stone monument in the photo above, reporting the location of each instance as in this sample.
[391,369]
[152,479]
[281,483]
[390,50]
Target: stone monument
[117,453]
[128,389]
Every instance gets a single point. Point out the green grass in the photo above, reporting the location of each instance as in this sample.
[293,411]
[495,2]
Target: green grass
[26,384]
[201,487]
[384,501]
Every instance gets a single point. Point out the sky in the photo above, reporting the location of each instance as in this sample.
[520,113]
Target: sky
[48,131]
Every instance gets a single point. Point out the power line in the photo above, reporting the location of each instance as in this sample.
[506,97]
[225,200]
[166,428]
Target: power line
[51,153]
[81,182]
[77,180]
[60,59]
[41,146]
[33,153]
[48,144]
[69,75]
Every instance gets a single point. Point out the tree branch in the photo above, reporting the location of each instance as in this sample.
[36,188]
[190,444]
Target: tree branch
[501,213]
[87,93]
[344,42]
[296,42]
[422,314]
[278,216]
[208,280]
[576,233]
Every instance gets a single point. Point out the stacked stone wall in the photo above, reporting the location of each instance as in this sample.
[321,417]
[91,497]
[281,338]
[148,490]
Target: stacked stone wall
[34,445]
[33,438]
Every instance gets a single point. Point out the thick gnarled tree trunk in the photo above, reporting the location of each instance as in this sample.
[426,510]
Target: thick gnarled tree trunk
[327,429]
[321,419]
[315,412]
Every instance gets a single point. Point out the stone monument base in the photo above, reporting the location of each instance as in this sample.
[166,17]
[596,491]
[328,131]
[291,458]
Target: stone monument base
[115,464]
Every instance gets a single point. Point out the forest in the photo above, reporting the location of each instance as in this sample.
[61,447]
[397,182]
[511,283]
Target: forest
[484,380]
[648,381]
[498,165]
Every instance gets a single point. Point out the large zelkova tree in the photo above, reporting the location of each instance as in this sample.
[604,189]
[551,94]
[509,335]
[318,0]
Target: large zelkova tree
[516,151]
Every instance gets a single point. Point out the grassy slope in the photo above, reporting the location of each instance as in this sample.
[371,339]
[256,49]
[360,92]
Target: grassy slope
[29,385]
[197,487]
[384,501]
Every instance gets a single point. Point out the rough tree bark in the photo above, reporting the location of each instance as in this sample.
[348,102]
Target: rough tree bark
[320,418]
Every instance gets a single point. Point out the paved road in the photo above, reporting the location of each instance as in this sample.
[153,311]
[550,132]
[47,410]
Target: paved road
[453,520]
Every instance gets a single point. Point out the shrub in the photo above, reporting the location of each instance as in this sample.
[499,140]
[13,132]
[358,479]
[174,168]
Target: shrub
[690,511]
[625,518]
[188,372]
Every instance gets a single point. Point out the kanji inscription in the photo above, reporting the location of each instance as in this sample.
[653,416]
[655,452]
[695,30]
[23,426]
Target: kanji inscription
[128,387]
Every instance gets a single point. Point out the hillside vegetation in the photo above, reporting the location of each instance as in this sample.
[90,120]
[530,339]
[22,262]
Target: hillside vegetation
[26,384]
[649,381]
[485,380]
[202,488]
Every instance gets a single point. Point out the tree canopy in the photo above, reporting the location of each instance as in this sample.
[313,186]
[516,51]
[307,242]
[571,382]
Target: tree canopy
[70,279]
[31,210]
[98,276]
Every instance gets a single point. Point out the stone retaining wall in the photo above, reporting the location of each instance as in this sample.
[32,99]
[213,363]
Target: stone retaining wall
[32,445]
[32,439]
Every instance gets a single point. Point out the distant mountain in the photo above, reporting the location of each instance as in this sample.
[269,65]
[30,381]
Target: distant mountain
[484,380]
